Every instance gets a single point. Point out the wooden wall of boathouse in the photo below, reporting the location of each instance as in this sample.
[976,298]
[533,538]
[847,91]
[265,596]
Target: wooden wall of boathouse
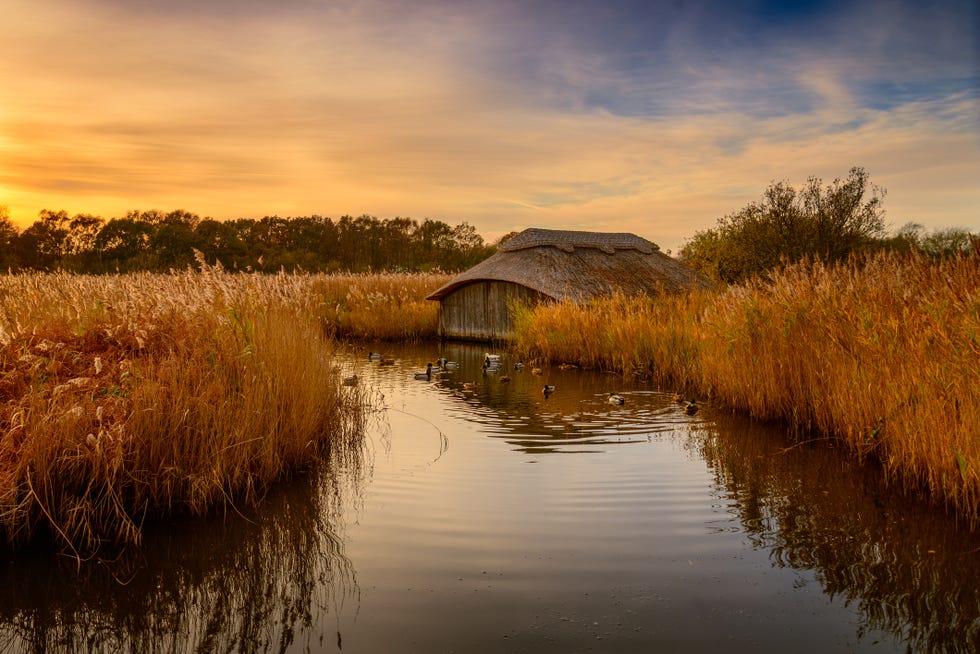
[481,311]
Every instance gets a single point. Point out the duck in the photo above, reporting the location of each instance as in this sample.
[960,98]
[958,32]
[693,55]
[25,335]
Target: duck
[446,363]
[387,362]
[678,398]
[504,379]
[518,366]
[691,408]
[547,390]
[350,381]
[567,366]
[537,371]
[616,398]
[427,375]
[469,386]
[374,356]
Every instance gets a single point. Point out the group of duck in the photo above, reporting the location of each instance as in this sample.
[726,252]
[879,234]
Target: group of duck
[493,364]
[441,368]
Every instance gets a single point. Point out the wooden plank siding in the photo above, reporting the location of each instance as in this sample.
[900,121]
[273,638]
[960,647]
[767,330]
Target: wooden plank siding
[463,314]
[481,311]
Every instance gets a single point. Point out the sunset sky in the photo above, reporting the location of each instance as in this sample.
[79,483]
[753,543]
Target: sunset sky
[651,117]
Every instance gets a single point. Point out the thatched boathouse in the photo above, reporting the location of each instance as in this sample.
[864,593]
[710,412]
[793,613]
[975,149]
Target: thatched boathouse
[540,265]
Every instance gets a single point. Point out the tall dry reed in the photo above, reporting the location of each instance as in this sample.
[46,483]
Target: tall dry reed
[643,336]
[883,354]
[380,306]
[127,397]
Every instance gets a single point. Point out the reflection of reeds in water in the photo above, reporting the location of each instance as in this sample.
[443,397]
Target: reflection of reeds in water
[251,584]
[881,354]
[905,568]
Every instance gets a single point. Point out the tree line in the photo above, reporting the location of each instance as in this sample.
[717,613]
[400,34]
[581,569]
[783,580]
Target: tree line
[816,222]
[827,223]
[159,241]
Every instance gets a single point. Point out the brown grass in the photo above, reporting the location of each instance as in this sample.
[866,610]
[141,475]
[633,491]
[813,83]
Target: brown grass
[124,398]
[380,306]
[883,354]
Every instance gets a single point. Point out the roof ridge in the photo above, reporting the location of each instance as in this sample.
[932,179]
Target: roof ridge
[568,240]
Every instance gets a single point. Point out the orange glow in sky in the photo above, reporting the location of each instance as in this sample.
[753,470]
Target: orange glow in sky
[653,118]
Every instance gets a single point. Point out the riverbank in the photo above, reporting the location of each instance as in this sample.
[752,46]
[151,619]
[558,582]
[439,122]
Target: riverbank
[128,398]
[883,355]
[125,397]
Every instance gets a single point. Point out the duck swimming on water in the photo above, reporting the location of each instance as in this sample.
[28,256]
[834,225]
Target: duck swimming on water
[427,375]
[691,408]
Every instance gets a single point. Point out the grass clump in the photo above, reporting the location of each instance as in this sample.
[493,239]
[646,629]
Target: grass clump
[380,306]
[125,398]
[882,354]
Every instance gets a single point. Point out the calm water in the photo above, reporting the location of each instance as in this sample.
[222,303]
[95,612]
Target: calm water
[498,520]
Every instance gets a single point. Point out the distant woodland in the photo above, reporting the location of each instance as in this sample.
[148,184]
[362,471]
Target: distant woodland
[816,222]
[156,241]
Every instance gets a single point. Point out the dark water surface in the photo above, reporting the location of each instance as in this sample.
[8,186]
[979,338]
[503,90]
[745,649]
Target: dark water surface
[500,520]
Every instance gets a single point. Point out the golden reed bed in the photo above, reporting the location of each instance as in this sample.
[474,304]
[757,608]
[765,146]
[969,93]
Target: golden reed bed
[883,354]
[125,398]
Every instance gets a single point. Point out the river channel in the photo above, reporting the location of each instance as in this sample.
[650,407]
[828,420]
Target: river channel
[498,518]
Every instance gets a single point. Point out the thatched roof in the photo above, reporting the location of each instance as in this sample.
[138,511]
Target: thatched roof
[567,241]
[579,266]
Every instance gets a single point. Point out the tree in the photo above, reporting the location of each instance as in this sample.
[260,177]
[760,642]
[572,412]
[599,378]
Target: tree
[787,225]
[949,241]
[942,242]
[433,241]
[8,239]
[843,220]
[175,240]
[219,242]
[468,248]
[44,243]
[124,243]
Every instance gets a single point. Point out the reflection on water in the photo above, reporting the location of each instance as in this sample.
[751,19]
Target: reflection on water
[250,584]
[902,567]
[901,563]
[577,416]
[657,531]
